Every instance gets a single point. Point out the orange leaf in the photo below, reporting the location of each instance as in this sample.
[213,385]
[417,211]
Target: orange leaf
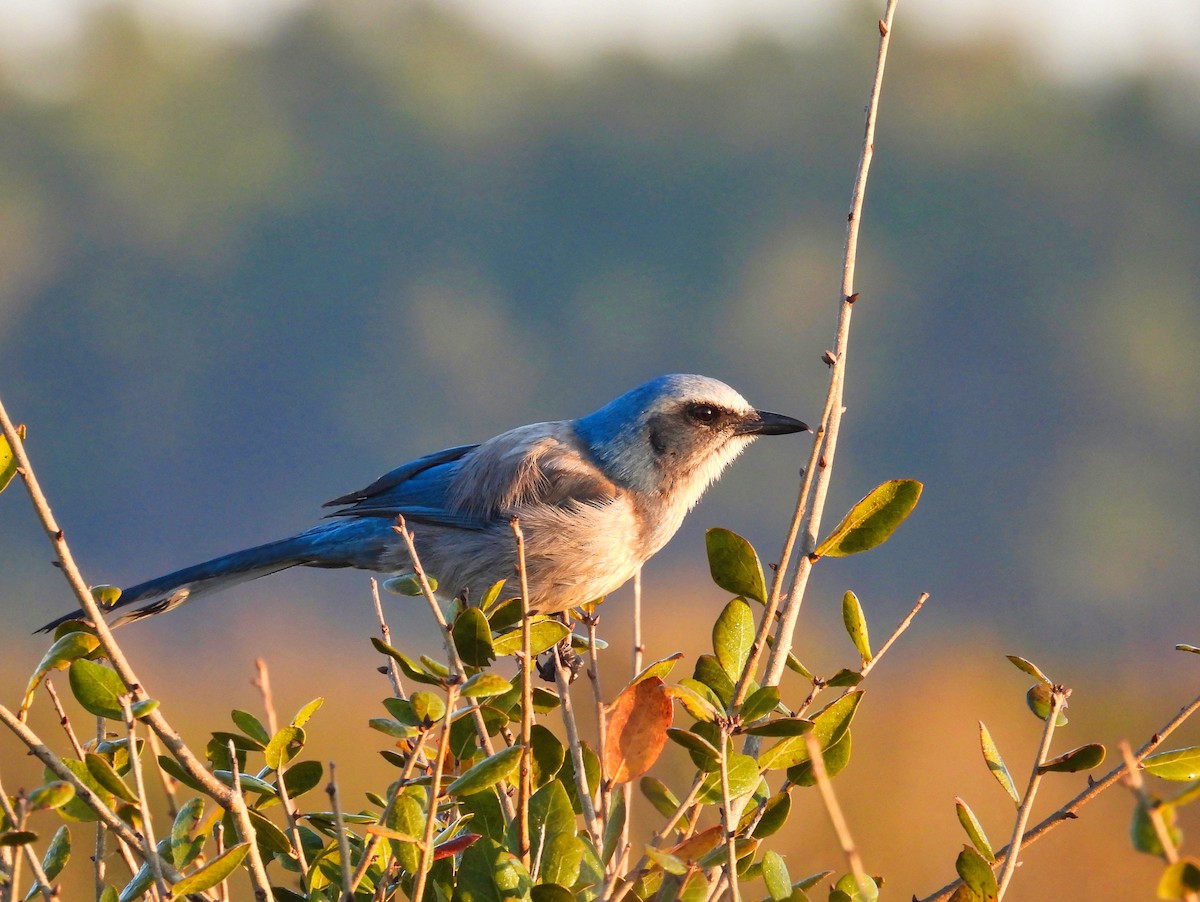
[637,729]
[696,847]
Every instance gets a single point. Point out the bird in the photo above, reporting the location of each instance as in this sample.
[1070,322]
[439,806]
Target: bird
[595,498]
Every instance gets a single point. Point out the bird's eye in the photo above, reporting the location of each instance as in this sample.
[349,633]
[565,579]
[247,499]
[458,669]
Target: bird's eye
[704,414]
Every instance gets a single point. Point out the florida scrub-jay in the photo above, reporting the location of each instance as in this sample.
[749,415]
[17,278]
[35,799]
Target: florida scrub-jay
[595,497]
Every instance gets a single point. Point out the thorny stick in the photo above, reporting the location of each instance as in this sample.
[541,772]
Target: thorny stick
[525,777]
[139,787]
[435,789]
[343,840]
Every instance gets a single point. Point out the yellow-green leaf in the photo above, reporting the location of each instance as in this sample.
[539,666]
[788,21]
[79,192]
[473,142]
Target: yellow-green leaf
[8,462]
[976,873]
[995,763]
[855,622]
[58,657]
[733,636]
[873,520]
[1179,764]
[212,873]
[1083,758]
[1180,879]
[97,688]
[974,829]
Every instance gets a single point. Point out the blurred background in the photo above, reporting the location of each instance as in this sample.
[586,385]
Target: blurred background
[254,254]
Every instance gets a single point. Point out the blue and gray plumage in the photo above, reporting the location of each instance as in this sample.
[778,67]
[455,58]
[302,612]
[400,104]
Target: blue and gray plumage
[596,497]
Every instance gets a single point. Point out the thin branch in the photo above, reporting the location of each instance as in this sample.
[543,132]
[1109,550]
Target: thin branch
[664,831]
[165,780]
[576,747]
[896,633]
[63,719]
[832,418]
[729,822]
[591,620]
[139,786]
[263,683]
[386,635]
[1058,701]
[435,790]
[525,778]
[836,818]
[343,840]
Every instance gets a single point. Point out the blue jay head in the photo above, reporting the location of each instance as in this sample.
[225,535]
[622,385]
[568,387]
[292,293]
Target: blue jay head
[673,436]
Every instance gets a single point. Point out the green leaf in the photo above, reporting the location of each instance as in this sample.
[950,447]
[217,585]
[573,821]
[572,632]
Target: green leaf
[851,891]
[710,672]
[781,726]
[8,462]
[547,752]
[552,892]
[250,725]
[12,838]
[427,707]
[872,521]
[107,777]
[976,873]
[473,638]
[613,828]
[1030,668]
[974,829]
[490,873]
[1180,879]
[283,747]
[183,847]
[487,772]
[302,777]
[665,860]
[591,770]
[697,699]
[743,779]
[53,795]
[694,743]
[1190,648]
[760,703]
[58,657]
[144,708]
[1039,699]
[775,876]
[57,853]
[835,758]
[76,809]
[995,763]
[774,816]
[1179,764]
[1141,829]
[657,793]
[212,873]
[855,622]
[543,634]
[733,636]
[828,726]
[97,688]
[1083,758]
[411,669]
[485,685]
[734,565]
[845,677]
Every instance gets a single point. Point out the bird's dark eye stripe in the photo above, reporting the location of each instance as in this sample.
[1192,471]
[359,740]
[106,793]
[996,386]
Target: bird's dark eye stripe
[704,413]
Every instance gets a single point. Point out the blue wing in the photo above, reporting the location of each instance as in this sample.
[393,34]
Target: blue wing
[417,490]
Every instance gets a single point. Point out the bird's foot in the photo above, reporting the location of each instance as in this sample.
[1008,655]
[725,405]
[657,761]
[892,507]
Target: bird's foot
[561,656]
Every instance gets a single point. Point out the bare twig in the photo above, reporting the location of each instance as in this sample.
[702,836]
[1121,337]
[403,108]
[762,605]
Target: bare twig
[562,681]
[525,778]
[343,840]
[729,820]
[590,620]
[262,682]
[832,418]
[903,625]
[386,635]
[836,818]
[664,831]
[63,719]
[435,790]
[167,782]
[139,786]
[1058,701]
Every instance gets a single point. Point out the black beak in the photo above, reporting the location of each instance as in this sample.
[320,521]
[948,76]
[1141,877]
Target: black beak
[766,423]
